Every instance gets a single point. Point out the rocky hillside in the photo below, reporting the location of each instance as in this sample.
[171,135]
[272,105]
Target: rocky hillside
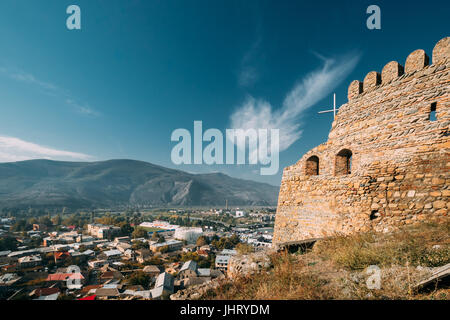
[45,183]
[365,266]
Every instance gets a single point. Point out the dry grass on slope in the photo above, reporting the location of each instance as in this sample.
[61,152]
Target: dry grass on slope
[336,268]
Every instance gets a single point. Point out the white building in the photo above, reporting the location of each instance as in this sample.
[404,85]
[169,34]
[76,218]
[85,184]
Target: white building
[102,231]
[222,262]
[189,234]
[240,214]
[172,245]
[159,224]
[223,258]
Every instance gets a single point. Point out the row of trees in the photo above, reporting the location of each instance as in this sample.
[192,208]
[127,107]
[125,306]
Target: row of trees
[219,243]
[57,221]
[8,243]
[225,242]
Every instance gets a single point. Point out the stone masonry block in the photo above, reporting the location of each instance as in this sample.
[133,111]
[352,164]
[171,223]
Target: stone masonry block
[417,60]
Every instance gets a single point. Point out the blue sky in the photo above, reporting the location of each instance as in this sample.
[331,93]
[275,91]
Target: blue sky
[140,69]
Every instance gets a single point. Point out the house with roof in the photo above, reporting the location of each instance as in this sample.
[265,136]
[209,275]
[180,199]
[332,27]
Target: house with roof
[4,253]
[173,267]
[48,241]
[83,245]
[223,258]
[22,253]
[51,297]
[137,291]
[9,268]
[102,231]
[90,288]
[81,238]
[107,293]
[88,253]
[205,247]
[134,288]
[189,269]
[228,252]
[221,262]
[39,227]
[164,286]
[152,270]
[189,248]
[98,263]
[190,274]
[111,255]
[143,255]
[61,255]
[111,275]
[42,292]
[92,297]
[203,253]
[8,279]
[143,294]
[172,245]
[29,261]
[129,254]
[71,280]
[123,246]
[125,239]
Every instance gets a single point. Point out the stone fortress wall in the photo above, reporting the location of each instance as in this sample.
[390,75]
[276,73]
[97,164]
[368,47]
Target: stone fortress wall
[386,162]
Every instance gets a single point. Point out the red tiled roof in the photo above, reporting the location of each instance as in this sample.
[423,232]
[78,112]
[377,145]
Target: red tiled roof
[111,275]
[90,287]
[64,276]
[46,291]
[9,266]
[88,298]
[61,254]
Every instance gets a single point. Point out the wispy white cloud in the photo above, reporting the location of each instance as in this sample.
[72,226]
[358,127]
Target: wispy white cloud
[249,74]
[29,78]
[50,89]
[260,114]
[15,149]
[83,109]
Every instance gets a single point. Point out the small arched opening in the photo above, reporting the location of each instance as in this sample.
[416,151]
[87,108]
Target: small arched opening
[343,163]
[374,215]
[432,115]
[312,166]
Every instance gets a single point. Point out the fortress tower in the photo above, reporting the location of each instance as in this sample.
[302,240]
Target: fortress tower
[386,162]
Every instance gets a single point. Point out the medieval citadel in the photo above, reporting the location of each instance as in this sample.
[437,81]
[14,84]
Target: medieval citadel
[386,162]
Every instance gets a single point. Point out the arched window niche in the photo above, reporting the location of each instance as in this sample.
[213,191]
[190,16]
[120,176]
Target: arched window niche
[312,166]
[343,165]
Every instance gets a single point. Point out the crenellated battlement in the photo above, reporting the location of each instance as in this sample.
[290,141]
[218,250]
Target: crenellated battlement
[386,162]
[416,61]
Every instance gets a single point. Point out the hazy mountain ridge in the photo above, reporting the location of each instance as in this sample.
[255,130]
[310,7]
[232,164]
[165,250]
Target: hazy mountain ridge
[41,183]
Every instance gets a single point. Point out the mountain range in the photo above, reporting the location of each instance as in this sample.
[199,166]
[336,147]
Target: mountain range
[47,183]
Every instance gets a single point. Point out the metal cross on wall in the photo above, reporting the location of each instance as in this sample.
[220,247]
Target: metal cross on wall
[334,107]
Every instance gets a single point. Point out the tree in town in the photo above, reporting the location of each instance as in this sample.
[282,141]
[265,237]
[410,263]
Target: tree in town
[139,232]
[201,241]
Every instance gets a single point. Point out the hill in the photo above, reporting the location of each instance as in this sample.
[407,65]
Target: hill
[342,267]
[46,183]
